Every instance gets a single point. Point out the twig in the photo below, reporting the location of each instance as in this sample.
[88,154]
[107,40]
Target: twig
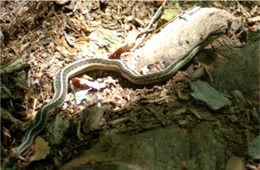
[76,6]
[156,15]
[243,10]
[148,31]
[13,11]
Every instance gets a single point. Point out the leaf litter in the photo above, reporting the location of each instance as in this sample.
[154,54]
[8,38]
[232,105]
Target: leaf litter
[64,37]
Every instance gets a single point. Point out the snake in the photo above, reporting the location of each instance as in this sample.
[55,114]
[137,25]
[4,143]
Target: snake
[60,82]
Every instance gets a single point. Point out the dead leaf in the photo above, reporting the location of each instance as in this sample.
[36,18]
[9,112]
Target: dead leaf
[126,47]
[86,84]
[83,40]
[41,149]
[79,84]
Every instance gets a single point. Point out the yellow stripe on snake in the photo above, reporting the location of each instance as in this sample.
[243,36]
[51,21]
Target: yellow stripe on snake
[84,65]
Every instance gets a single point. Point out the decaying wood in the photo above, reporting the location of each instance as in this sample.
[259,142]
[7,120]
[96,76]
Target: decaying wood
[185,31]
[188,29]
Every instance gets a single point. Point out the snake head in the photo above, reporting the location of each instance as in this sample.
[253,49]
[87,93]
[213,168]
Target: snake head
[215,34]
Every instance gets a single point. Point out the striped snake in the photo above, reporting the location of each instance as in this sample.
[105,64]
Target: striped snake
[84,65]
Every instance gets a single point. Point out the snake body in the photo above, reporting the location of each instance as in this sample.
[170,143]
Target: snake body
[84,65]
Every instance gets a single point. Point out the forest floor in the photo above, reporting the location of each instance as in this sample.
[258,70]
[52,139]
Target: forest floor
[106,121]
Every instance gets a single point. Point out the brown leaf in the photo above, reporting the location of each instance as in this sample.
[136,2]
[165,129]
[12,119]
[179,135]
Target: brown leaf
[83,40]
[86,84]
[79,84]
[41,149]
[119,51]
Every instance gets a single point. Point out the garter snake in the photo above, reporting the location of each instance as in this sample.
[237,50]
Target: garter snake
[84,65]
